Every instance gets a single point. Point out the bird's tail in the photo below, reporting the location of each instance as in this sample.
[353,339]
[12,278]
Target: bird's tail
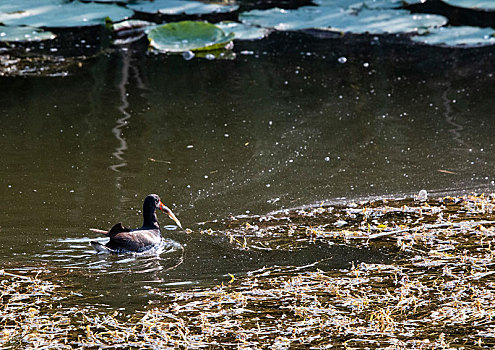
[100,248]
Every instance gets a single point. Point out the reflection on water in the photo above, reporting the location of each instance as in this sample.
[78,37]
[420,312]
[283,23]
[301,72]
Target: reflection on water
[285,127]
[77,252]
[123,121]
[449,118]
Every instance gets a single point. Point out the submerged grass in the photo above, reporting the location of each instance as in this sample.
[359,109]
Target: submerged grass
[437,291]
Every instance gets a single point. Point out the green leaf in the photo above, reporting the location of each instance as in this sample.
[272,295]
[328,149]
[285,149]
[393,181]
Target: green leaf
[371,4]
[243,31]
[176,7]
[303,18]
[188,36]
[388,21]
[334,17]
[458,36]
[24,34]
[58,13]
[487,5]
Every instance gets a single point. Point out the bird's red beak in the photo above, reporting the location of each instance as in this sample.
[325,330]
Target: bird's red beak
[169,213]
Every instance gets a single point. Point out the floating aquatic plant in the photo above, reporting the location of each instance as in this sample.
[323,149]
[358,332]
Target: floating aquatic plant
[24,34]
[303,18]
[458,36]
[59,13]
[176,7]
[358,4]
[435,291]
[374,21]
[243,31]
[188,36]
[488,5]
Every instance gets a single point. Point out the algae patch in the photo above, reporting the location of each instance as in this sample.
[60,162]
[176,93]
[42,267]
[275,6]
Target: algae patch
[436,291]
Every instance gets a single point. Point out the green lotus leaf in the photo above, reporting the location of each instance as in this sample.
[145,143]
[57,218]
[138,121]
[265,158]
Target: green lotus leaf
[371,4]
[111,1]
[176,7]
[488,5]
[344,4]
[387,21]
[24,34]
[57,14]
[458,36]
[374,21]
[188,36]
[34,6]
[243,31]
[303,18]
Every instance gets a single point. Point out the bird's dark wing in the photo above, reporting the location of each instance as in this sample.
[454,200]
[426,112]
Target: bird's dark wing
[116,229]
[135,240]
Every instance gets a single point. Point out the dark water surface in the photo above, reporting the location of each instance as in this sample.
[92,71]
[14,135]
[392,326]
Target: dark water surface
[285,124]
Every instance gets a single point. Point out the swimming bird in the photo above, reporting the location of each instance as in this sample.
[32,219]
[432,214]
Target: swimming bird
[123,239]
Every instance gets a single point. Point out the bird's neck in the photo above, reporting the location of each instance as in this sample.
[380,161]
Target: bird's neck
[150,220]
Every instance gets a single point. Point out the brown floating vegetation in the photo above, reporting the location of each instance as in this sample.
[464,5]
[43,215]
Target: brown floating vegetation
[437,291]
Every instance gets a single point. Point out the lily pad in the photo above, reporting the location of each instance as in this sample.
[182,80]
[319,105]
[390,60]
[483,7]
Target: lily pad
[371,4]
[365,20]
[305,17]
[110,1]
[27,5]
[177,7]
[188,36]
[344,4]
[487,5]
[24,34]
[243,31]
[388,21]
[57,14]
[458,36]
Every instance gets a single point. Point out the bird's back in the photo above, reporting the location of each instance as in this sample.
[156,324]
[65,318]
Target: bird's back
[133,240]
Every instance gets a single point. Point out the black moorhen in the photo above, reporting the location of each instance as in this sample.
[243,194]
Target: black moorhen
[148,236]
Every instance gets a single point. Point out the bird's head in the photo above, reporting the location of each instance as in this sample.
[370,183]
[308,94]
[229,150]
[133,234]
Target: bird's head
[153,202]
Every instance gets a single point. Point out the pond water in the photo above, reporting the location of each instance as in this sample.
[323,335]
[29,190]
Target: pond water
[292,121]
